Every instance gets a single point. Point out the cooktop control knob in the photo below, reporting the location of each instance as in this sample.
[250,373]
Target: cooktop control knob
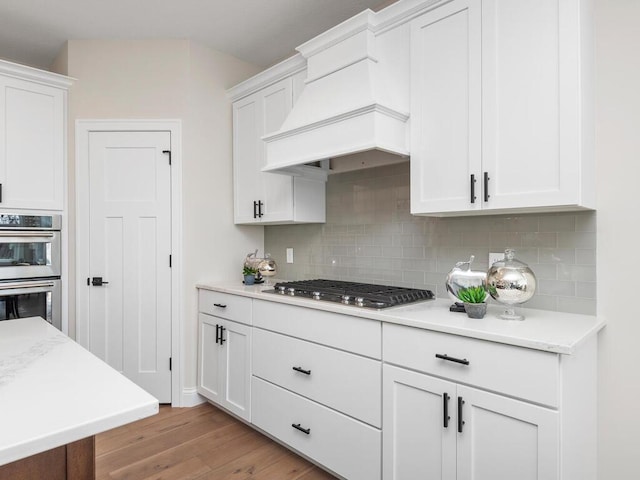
[291,290]
[316,295]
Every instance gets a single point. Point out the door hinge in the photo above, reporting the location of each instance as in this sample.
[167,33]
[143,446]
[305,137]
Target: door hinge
[170,260]
[170,363]
[167,152]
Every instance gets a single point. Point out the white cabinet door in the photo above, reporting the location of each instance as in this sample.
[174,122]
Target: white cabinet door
[236,361]
[485,436]
[277,190]
[32,139]
[246,158]
[224,364]
[445,108]
[260,197]
[419,429]
[530,88]
[500,108]
[506,438]
[210,368]
[270,198]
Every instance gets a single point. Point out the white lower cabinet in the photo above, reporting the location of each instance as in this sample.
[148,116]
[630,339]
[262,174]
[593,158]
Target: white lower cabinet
[317,382]
[224,370]
[341,444]
[371,400]
[462,408]
[436,429]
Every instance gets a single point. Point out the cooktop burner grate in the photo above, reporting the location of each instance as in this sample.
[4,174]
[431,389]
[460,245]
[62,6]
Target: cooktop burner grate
[358,294]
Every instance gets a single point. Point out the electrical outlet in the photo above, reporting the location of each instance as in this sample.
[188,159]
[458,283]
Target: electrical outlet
[289,255]
[494,257]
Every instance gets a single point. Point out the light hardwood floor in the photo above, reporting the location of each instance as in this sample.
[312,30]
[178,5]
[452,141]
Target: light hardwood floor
[199,443]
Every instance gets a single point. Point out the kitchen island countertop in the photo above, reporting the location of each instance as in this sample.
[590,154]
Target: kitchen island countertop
[54,392]
[541,330]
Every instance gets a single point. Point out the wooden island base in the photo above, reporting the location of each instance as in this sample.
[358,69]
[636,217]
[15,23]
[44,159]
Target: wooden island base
[73,461]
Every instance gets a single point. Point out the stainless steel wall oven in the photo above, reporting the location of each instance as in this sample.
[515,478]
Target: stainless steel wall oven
[30,267]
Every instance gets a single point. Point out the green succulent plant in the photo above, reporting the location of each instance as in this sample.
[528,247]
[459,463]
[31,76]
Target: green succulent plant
[249,271]
[473,294]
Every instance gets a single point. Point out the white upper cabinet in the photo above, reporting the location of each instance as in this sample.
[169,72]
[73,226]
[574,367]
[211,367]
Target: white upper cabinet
[261,197]
[32,138]
[501,118]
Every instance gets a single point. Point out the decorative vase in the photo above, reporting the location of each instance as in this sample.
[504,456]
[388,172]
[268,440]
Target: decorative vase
[475,310]
[461,277]
[511,282]
[249,279]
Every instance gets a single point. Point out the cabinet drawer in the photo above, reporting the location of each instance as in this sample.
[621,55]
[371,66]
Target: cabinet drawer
[342,444]
[224,305]
[349,383]
[524,373]
[353,334]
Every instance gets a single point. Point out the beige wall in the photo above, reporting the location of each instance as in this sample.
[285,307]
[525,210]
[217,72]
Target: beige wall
[171,79]
[618,157]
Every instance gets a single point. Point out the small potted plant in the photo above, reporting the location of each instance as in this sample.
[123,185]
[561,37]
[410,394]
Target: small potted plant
[249,275]
[474,301]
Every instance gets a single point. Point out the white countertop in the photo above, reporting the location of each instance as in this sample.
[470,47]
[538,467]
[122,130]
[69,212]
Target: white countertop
[541,330]
[54,392]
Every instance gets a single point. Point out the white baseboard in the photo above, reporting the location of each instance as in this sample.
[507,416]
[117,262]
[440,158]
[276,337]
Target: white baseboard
[190,398]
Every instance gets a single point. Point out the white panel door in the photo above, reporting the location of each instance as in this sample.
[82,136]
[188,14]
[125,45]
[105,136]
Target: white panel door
[506,439]
[32,135]
[445,109]
[130,247]
[419,429]
[210,368]
[530,103]
[236,354]
[277,102]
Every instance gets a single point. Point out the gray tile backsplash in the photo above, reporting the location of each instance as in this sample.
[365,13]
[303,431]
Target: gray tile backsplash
[370,236]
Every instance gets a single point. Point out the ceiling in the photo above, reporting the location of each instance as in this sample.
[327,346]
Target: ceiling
[261,32]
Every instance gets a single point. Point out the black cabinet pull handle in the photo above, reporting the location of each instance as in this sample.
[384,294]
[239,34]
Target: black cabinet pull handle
[260,205]
[217,333]
[486,186]
[303,430]
[473,188]
[222,339]
[0,193]
[460,420]
[445,410]
[219,305]
[446,357]
[255,209]
[302,370]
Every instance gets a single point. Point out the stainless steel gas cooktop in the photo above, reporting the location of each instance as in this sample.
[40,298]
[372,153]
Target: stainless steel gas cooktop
[365,295]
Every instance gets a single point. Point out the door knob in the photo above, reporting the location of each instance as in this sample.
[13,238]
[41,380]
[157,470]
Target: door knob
[97,281]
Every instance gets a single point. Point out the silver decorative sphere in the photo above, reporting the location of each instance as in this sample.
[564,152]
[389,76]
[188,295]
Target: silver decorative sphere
[511,283]
[462,277]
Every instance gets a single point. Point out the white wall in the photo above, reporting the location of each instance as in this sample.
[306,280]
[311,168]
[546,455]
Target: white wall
[171,79]
[618,156]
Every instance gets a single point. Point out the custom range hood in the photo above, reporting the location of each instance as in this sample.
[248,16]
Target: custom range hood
[355,99]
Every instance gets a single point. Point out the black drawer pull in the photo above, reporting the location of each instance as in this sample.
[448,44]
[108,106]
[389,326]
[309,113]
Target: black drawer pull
[303,430]
[486,186]
[445,410]
[446,357]
[460,421]
[222,339]
[473,188]
[219,305]
[302,370]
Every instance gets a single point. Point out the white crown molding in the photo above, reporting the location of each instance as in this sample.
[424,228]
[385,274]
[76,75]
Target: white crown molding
[35,75]
[286,68]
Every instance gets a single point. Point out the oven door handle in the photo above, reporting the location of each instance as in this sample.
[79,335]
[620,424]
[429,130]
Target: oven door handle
[11,233]
[15,285]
